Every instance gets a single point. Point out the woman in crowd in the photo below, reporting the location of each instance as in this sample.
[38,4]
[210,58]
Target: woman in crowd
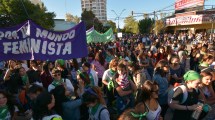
[138,76]
[43,107]
[206,87]
[195,58]
[64,106]
[60,65]
[91,73]
[34,73]
[98,65]
[176,71]
[45,76]
[162,77]
[83,77]
[24,77]
[143,62]
[152,61]
[161,54]
[125,88]
[182,54]
[12,78]
[58,80]
[7,108]
[183,111]
[107,80]
[94,100]
[206,61]
[74,67]
[137,113]
[34,91]
[148,97]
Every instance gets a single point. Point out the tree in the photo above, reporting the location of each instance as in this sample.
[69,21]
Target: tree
[13,12]
[90,20]
[131,25]
[71,18]
[159,26]
[145,25]
[112,25]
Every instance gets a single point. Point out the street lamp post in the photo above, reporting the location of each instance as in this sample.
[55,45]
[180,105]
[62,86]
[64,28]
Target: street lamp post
[118,16]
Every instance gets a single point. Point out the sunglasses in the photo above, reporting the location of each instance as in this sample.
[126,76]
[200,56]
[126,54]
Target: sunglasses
[58,74]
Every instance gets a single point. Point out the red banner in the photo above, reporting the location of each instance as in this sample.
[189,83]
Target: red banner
[181,4]
[188,20]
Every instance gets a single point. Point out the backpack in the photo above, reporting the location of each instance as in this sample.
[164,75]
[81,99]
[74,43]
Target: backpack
[170,112]
[103,108]
[172,91]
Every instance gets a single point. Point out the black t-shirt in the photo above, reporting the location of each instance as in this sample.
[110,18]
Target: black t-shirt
[191,100]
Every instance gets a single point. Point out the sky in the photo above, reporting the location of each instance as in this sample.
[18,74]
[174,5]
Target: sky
[61,7]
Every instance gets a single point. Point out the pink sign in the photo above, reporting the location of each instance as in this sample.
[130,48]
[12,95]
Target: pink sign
[181,4]
[187,20]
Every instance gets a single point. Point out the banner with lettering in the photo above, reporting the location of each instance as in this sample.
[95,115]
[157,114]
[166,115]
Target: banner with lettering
[182,4]
[28,41]
[94,37]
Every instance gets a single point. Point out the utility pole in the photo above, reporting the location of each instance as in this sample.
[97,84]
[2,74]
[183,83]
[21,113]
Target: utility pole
[118,16]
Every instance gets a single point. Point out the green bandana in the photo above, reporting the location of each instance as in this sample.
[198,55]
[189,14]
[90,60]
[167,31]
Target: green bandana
[61,62]
[112,72]
[94,109]
[3,112]
[191,75]
[57,82]
[140,116]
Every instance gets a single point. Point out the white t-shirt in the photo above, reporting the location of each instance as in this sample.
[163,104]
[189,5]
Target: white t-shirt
[68,85]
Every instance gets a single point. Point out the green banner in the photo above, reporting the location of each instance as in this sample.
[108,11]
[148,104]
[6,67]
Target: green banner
[95,37]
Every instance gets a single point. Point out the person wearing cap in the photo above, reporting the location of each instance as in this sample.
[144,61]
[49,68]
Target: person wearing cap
[184,110]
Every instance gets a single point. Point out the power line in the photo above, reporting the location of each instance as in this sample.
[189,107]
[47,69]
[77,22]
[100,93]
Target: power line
[25,9]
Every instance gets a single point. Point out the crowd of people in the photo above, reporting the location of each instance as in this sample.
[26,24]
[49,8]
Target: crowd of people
[137,77]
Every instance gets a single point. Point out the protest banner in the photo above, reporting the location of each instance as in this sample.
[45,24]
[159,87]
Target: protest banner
[28,41]
[94,37]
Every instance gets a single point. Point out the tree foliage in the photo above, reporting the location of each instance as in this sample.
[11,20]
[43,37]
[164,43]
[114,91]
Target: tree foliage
[131,25]
[112,25]
[145,25]
[159,26]
[90,20]
[71,18]
[13,12]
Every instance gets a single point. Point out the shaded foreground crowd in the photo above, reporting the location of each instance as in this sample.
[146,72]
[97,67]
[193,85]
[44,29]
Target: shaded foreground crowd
[122,80]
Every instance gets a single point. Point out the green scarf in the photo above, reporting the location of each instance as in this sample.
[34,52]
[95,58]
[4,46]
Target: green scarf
[3,112]
[140,116]
[24,79]
[91,79]
[203,64]
[57,82]
[94,109]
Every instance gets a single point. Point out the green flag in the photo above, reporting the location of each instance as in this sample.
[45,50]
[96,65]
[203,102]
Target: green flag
[95,37]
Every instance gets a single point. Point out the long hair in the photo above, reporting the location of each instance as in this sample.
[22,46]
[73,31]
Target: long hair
[92,95]
[85,77]
[128,114]
[159,67]
[146,91]
[10,102]
[40,106]
[60,98]
[75,64]
[99,57]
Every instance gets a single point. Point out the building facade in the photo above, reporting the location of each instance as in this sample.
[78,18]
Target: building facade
[98,7]
[190,16]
